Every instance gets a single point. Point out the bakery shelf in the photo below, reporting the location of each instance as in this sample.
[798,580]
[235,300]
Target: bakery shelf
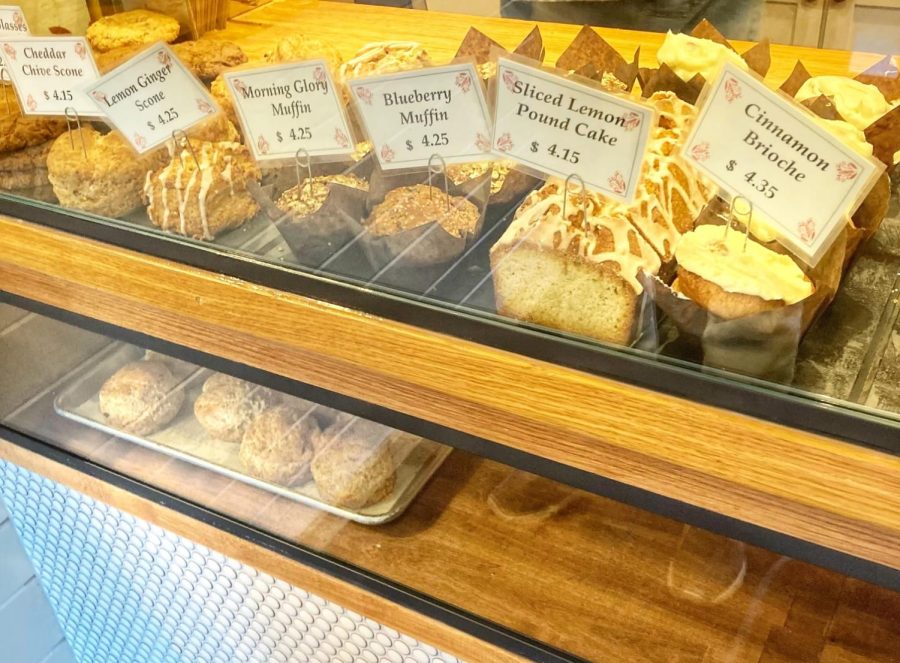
[482,550]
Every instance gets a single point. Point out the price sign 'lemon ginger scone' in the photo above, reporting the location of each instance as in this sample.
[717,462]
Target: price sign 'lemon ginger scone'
[576,272]
[131,28]
[97,173]
[733,277]
[202,191]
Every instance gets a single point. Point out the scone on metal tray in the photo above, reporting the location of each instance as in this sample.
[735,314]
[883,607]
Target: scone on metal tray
[141,397]
[202,191]
[18,131]
[208,58]
[278,445]
[227,406]
[98,173]
[355,467]
[25,169]
[131,28]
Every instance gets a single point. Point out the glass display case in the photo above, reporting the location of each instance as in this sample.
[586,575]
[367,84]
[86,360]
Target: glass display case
[487,381]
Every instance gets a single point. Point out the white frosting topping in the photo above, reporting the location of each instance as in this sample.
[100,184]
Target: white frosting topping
[384,57]
[739,265]
[860,104]
[689,56]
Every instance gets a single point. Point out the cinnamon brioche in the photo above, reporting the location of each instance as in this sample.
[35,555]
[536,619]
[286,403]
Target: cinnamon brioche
[733,277]
[576,272]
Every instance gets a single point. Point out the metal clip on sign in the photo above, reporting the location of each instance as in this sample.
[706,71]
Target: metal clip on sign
[584,195]
[741,210]
[303,160]
[72,119]
[181,141]
[440,170]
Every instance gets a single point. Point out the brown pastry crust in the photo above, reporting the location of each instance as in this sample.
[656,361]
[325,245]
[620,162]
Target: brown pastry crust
[219,91]
[409,207]
[141,397]
[108,60]
[301,47]
[106,180]
[355,467]
[716,300]
[208,58]
[25,169]
[19,131]
[214,129]
[227,406]
[131,28]
[202,191]
[277,445]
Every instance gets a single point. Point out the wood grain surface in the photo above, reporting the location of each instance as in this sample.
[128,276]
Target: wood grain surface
[824,491]
[599,579]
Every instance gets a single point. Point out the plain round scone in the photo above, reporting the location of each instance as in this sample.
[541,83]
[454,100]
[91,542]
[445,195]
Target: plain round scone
[18,131]
[98,173]
[227,406]
[277,445]
[141,397]
[131,28]
[355,467]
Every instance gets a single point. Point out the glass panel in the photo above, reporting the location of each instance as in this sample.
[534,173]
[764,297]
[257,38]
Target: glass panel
[834,347]
[584,574]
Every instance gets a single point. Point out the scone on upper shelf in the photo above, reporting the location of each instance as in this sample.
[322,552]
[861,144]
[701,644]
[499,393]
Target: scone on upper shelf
[202,191]
[141,397]
[301,47]
[98,173]
[573,272]
[208,58]
[136,27]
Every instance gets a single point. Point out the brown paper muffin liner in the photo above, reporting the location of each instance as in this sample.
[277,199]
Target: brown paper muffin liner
[591,56]
[428,244]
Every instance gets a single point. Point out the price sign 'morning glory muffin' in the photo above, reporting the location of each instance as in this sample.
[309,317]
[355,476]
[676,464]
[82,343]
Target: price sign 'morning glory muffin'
[759,144]
[151,96]
[413,115]
[49,73]
[285,108]
[561,127]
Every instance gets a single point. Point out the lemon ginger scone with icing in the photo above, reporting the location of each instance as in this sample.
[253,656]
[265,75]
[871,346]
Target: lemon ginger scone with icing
[98,173]
[576,272]
[131,28]
[202,190]
[733,277]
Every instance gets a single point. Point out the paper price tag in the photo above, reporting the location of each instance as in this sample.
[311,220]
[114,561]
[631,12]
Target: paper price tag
[150,97]
[48,73]
[288,107]
[758,144]
[12,21]
[559,127]
[413,115]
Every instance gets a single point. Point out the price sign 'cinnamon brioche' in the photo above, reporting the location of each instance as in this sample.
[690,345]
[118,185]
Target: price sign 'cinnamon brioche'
[574,272]
[202,191]
[733,277]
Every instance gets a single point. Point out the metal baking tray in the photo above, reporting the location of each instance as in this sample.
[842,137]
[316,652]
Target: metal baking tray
[416,459]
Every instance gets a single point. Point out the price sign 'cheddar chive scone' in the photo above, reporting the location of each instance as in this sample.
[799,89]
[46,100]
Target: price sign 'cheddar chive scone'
[130,29]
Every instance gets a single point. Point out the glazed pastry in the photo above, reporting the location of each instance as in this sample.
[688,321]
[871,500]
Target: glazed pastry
[409,207]
[308,197]
[384,57]
[131,28]
[689,56]
[277,445]
[301,47]
[18,131]
[202,191]
[858,103]
[570,272]
[141,397]
[733,277]
[355,468]
[97,173]
[208,58]
[227,406]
